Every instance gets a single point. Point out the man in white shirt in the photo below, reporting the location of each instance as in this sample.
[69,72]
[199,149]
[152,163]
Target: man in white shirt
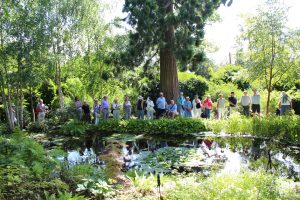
[246,102]
[255,102]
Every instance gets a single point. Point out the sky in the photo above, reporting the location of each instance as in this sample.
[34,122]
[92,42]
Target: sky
[223,34]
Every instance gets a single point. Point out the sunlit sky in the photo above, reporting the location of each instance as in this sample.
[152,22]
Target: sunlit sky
[223,34]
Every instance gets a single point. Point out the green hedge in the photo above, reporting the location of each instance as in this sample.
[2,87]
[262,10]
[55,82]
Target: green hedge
[178,126]
[285,127]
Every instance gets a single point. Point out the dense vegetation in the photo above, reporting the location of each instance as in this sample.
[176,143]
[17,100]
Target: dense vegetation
[61,49]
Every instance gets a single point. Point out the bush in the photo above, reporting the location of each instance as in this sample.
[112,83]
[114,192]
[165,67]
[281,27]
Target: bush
[176,126]
[74,128]
[247,185]
[285,127]
[194,87]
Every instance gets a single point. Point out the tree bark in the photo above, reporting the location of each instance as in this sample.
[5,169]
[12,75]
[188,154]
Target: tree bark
[32,105]
[168,69]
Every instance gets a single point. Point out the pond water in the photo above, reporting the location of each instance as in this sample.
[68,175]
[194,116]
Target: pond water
[204,154]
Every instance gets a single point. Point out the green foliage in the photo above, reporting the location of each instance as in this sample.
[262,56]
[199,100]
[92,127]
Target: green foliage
[247,185]
[151,20]
[244,185]
[61,196]
[165,159]
[21,150]
[183,126]
[16,182]
[48,92]
[284,128]
[96,188]
[74,127]
[194,87]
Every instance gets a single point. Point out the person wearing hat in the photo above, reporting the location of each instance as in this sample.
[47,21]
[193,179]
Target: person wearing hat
[187,108]
[285,103]
[246,102]
[196,111]
[140,108]
[150,108]
[180,103]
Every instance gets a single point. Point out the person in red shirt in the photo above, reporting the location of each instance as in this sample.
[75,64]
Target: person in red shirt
[208,106]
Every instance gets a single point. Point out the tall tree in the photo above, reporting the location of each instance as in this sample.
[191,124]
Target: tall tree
[169,29]
[273,49]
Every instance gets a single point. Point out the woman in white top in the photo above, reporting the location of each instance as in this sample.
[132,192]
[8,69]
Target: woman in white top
[150,108]
[285,103]
[116,109]
[221,107]
[196,111]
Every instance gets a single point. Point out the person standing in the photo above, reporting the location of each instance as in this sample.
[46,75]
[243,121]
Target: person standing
[127,108]
[140,108]
[187,108]
[105,107]
[285,103]
[221,107]
[208,106]
[78,107]
[246,102]
[255,99]
[86,112]
[97,110]
[41,110]
[196,112]
[180,103]
[161,105]
[232,102]
[116,109]
[150,108]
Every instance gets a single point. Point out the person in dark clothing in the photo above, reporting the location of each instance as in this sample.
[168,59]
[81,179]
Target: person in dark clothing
[232,102]
[86,112]
[140,108]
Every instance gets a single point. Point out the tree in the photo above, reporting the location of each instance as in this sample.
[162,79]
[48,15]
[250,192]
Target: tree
[169,29]
[273,49]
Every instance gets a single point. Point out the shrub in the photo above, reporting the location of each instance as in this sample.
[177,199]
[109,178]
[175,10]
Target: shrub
[74,128]
[181,126]
[194,87]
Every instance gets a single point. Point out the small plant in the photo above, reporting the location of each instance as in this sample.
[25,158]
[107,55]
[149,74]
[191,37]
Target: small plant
[96,188]
[74,128]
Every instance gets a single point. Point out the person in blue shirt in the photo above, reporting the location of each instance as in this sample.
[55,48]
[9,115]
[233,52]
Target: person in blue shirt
[180,103]
[172,109]
[161,105]
[187,107]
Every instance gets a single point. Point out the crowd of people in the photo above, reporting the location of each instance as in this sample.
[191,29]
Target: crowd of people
[183,106]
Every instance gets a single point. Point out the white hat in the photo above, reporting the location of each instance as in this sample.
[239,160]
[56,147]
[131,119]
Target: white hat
[140,97]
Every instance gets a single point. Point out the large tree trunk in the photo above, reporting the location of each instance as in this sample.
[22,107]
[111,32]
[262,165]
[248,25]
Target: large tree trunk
[168,69]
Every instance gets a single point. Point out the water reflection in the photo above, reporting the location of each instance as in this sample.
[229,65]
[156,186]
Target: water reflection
[228,154]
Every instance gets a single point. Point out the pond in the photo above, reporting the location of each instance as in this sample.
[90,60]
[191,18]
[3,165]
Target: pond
[204,153]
